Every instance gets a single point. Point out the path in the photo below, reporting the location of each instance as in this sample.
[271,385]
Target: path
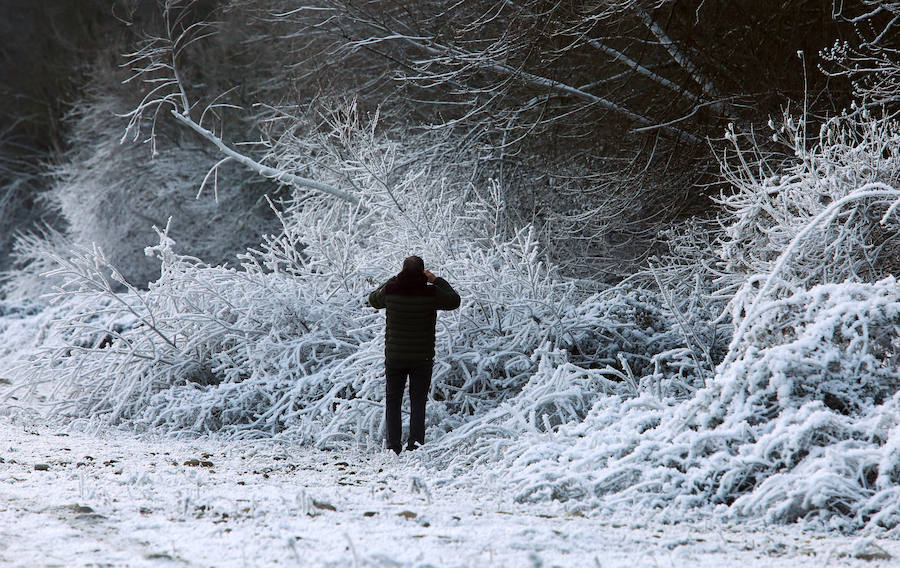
[120,501]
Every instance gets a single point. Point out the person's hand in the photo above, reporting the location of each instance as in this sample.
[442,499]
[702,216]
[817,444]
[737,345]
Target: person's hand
[429,276]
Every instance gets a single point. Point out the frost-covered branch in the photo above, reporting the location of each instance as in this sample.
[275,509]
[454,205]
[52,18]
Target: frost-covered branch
[158,64]
[870,191]
[625,60]
[705,83]
[873,64]
[263,170]
[447,55]
[677,55]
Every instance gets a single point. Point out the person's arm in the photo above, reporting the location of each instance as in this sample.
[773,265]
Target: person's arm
[447,298]
[376,298]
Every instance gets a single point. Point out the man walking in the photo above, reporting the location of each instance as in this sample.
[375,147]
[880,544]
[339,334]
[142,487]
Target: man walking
[412,299]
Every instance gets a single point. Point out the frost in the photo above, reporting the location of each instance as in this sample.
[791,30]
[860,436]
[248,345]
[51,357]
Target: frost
[751,373]
[803,424]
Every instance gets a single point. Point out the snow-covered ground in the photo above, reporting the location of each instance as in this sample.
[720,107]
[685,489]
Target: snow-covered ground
[73,499]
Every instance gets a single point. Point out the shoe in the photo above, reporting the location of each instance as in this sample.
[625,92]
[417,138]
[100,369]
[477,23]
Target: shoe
[413,446]
[395,450]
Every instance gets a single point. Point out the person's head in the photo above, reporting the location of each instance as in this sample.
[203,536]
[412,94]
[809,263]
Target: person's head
[413,266]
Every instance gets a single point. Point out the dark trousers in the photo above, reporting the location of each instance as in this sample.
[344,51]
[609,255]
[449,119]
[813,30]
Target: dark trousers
[396,373]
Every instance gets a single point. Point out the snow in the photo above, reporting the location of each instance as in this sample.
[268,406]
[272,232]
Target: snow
[798,424]
[233,415]
[116,499]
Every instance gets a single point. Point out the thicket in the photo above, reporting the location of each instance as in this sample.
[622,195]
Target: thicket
[800,418]
[593,118]
[747,369]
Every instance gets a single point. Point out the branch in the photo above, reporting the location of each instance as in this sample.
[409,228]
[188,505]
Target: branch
[622,58]
[682,59]
[545,82]
[263,170]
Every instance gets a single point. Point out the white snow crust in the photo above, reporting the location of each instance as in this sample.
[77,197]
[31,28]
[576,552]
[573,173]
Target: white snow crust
[111,499]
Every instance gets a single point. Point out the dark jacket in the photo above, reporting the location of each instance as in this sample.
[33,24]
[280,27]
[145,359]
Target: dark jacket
[412,306]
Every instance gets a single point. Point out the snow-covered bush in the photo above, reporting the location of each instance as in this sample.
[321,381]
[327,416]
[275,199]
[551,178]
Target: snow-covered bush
[800,421]
[284,343]
[32,256]
[828,207]
[832,216]
[802,425]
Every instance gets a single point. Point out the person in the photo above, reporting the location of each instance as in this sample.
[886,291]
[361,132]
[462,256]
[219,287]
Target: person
[411,300]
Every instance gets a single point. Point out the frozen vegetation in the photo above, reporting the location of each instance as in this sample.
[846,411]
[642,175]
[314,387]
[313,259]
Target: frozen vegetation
[764,388]
[744,374]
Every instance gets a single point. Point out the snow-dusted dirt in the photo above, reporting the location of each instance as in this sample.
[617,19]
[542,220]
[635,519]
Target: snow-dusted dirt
[72,499]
